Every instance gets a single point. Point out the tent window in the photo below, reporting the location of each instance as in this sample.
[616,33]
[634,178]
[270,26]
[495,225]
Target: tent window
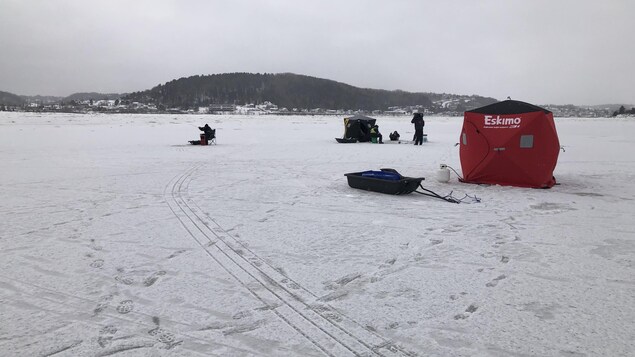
[464,138]
[526,141]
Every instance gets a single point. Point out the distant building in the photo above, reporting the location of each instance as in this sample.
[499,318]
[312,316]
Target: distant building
[215,108]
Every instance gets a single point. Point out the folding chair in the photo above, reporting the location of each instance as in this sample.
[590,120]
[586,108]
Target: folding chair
[211,137]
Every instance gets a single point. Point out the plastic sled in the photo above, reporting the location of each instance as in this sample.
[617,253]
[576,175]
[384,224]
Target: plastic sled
[384,181]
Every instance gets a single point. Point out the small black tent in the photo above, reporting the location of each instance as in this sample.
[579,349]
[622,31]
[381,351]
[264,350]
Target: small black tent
[358,127]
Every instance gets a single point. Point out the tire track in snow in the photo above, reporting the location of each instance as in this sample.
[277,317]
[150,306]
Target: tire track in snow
[328,330]
[310,300]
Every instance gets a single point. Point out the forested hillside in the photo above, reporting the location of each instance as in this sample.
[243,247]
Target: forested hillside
[7,98]
[285,90]
[91,96]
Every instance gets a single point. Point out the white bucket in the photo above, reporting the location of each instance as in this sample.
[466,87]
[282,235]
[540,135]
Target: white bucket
[443,175]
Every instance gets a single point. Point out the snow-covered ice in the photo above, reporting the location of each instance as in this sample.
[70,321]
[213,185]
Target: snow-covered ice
[119,238]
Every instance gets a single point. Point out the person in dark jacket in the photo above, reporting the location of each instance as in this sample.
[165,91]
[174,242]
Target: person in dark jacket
[209,132]
[418,121]
[374,133]
[394,136]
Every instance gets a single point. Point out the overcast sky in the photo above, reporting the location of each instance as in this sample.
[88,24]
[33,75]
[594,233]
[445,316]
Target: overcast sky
[539,51]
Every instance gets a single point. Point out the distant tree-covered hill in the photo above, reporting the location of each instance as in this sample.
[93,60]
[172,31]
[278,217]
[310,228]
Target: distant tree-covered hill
[7,98]
[41,99]
[285,90]
[78,97]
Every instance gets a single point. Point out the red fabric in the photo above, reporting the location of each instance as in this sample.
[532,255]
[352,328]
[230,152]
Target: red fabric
[493,154]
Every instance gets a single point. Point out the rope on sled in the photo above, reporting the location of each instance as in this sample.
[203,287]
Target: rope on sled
[449,197]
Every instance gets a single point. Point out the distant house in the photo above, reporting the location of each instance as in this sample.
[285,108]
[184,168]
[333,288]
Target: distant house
[396,112]
[214,108]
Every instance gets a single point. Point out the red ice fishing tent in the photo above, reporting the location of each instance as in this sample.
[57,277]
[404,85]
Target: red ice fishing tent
[509,143]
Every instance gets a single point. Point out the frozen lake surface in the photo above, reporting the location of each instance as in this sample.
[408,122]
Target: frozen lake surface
[119,238]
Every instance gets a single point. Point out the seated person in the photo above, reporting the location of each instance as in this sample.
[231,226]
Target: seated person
[374,133]
[209,132]
[394,136]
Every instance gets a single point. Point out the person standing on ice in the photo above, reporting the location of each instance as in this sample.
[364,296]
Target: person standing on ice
[419,123]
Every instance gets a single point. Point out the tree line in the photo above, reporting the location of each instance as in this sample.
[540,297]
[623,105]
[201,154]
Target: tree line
[285,90]
[623,110]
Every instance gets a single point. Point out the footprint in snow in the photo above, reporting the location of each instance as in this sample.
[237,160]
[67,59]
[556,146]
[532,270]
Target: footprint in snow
[125,307]
[455,297]
[468,312]
[495,281]
[97,263]
[103,304]
[167,338]
[106,335]
[127,280]
[176,254]
[149,281]
[436,241]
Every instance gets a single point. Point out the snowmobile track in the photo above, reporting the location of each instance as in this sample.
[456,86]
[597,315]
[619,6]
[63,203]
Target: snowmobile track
[328,330]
